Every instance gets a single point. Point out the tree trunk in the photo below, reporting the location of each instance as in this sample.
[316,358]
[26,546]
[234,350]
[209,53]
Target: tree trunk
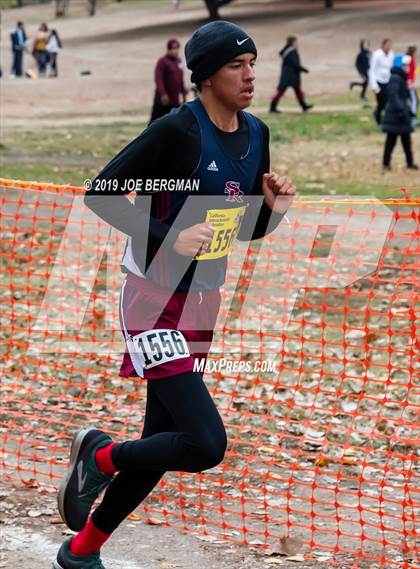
[60,8]
[213,8]
[214,5]
[329,3]
[91,7]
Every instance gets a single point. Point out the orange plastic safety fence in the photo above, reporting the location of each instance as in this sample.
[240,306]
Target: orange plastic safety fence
[322,422]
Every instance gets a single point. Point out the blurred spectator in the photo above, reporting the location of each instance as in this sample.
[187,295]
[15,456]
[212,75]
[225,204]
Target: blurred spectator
[40,51]
[176,3]
[53,47]
[290,75]
[397,117]
[18,38]
[379,74]
[169,78]
[362,66]
[411,51]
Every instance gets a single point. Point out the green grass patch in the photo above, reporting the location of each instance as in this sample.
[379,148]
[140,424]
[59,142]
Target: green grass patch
[66,155]
[347,98]
[329,153]
[328,126]
[100,141]
[47,173]
[333,187]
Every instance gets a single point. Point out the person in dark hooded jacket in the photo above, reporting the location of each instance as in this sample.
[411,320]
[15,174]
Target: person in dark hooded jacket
[397,118]
[362,66]
[290,75]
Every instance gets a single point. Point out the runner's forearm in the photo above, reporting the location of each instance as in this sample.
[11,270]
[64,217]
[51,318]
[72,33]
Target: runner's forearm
[127,218]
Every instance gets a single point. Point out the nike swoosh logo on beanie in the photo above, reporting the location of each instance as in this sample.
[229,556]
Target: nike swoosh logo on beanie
[213,45]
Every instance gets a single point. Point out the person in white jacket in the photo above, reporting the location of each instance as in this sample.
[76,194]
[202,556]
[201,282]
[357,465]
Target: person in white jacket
[53,48]
[379,75]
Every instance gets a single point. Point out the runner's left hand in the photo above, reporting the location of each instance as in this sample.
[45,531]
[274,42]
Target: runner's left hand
[278,192]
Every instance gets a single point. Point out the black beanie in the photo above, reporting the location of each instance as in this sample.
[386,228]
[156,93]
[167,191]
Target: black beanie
[213,45]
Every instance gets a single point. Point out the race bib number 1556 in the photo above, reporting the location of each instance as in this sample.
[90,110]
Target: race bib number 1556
[159,346]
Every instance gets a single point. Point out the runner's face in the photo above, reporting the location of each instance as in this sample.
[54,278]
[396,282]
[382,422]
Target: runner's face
[234,82]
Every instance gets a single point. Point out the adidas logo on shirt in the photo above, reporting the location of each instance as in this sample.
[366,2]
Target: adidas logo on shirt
[213,167]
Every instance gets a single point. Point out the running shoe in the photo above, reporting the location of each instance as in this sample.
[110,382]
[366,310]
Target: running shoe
[84,481]
[66,559]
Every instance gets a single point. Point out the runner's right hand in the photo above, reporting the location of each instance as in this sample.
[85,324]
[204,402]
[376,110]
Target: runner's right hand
[191,240]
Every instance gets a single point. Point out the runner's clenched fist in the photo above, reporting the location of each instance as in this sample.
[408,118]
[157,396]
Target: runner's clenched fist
[278,191]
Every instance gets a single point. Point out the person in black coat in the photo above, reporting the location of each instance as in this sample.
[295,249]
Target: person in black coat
[362,66]
[290,75]
[18,39]
[397,118]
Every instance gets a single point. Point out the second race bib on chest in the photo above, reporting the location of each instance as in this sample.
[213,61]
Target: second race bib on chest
[226,223]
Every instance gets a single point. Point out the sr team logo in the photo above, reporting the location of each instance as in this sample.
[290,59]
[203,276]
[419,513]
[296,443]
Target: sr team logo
[234,191]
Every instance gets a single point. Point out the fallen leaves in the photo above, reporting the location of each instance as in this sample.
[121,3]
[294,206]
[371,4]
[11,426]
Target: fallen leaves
[133,517]
[155,522]
[310,415]
[322,461]
[209,538]
[297,558]
[31,483]
[350,456]
[287,546]
[35,513]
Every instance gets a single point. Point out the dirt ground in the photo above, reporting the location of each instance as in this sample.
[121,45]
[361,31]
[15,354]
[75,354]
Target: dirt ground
[120,45]
[31,534]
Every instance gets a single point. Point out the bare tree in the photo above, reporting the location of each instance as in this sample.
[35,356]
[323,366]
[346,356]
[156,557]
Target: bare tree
[213,7]
[61,8]
[91,7]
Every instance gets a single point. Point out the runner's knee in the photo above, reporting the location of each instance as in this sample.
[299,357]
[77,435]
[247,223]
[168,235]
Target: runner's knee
[208,452]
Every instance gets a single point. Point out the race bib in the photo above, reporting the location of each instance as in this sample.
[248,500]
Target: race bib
[226,223]
[159,346]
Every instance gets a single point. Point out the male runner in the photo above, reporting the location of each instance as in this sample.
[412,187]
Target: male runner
[175,260]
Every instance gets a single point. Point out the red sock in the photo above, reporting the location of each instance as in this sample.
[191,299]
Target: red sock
[104,461]
[89,540]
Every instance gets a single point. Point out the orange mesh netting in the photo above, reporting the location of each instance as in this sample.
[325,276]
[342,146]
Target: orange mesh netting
[323,445]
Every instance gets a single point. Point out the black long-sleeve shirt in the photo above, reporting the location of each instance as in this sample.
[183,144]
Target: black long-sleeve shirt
[170,149]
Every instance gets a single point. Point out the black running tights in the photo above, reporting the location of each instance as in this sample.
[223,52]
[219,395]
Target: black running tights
[182,431]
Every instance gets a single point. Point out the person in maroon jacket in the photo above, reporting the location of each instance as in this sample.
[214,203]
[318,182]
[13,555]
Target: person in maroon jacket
[169,78]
